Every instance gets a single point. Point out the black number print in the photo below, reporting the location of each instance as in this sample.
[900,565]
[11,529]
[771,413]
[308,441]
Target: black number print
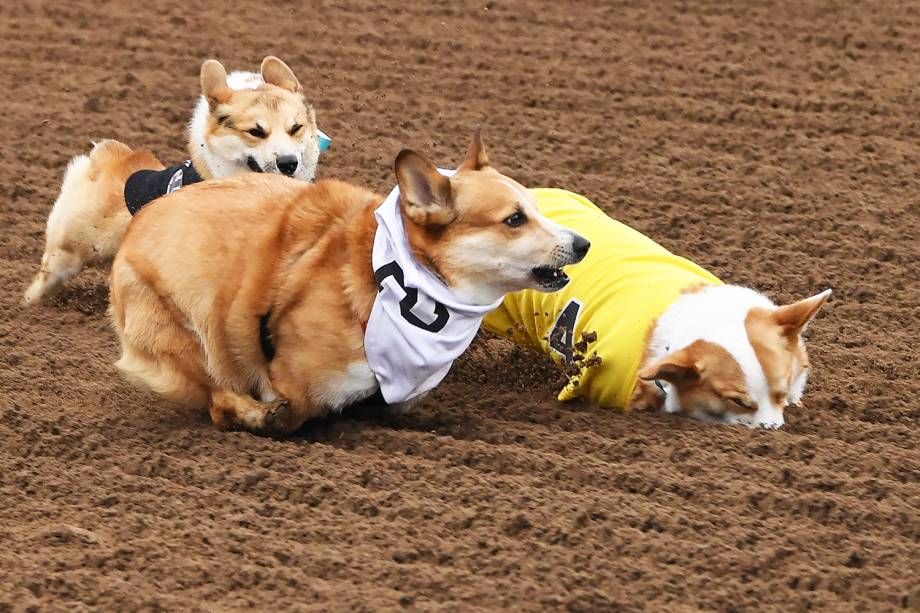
[410,299]
[562,337]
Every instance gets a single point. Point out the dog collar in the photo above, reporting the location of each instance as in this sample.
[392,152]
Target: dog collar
[324,141]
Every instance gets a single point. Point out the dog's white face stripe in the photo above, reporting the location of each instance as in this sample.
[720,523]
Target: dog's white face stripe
[240,79]
[521,193]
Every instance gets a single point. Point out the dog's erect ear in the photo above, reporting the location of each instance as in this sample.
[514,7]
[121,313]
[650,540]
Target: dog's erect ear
[214,83]
[476,158]
[276,72]
[677,367]
[793,318]
[424,193]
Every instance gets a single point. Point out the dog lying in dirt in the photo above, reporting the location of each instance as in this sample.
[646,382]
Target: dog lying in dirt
[244,122]
[641,327]
[271,301]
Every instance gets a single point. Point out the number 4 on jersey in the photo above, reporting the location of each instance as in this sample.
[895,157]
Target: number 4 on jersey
[562,337]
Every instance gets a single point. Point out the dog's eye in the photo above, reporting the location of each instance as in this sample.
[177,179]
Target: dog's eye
[741,402]
[515,220]
[295,129]
[258,132]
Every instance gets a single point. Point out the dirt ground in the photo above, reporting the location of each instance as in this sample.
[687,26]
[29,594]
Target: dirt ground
[777,145]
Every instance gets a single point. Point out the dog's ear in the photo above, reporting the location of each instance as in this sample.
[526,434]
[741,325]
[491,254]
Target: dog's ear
[677,367]
[476,158]
[214,83]
[793,318]
[424,193]
[276,72]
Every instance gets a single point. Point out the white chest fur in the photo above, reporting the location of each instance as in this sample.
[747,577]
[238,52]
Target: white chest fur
[354,385]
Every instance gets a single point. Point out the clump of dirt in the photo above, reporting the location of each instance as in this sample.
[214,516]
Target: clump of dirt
[775,145]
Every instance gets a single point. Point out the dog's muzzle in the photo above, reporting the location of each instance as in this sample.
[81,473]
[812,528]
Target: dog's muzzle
[552,278]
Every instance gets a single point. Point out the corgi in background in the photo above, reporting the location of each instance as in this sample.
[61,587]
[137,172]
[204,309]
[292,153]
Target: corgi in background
[640,327]
[244,122]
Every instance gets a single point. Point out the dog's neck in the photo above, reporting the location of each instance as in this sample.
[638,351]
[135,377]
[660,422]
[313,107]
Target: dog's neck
[418,323]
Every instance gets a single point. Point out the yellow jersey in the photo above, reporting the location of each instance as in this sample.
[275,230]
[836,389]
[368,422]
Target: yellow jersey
[597,326]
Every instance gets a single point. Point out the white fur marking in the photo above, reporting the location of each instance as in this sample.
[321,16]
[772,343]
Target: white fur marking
[357,383]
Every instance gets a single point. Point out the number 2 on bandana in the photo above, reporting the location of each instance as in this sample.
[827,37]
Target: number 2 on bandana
[562,336]
[410,299]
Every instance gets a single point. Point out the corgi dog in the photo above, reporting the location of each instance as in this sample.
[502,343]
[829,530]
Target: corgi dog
[270,301]
[640,327]
[243,122]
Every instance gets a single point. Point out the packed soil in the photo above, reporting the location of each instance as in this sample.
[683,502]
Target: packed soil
[777,145]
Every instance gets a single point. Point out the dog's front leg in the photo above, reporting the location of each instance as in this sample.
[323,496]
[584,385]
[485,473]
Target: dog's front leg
[230,410]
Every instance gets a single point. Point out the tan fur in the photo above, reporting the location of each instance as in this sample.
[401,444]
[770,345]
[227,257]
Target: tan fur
[691,289]
[776,337]
[191,280]
[278,73]
[89,218]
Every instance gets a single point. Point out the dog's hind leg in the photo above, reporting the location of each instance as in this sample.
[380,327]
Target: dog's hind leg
[157,350]
[164,375]
[62,259]
[59,265]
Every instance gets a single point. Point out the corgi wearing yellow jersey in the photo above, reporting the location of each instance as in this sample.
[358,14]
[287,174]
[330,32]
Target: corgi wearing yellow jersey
[640,327]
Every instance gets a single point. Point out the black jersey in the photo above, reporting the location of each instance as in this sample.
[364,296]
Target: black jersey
[144,186]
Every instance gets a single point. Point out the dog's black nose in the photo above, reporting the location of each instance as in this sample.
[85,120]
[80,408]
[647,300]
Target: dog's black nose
[580,246]
[287,164]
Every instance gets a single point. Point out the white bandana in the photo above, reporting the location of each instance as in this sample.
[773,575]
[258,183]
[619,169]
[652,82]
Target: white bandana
[417,327]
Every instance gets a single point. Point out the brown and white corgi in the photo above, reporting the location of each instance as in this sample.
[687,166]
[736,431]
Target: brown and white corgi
[244,122]
[272,301]
[639,326]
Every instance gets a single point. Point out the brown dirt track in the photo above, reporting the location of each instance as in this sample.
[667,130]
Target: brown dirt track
[777,145]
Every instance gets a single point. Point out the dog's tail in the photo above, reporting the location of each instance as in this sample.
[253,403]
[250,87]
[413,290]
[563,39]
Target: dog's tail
[89,217]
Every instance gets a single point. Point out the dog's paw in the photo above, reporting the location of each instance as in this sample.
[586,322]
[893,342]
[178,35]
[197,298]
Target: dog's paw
[277,416]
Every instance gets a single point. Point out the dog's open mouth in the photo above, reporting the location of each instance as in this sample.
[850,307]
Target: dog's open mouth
[253,164]
[550,278]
